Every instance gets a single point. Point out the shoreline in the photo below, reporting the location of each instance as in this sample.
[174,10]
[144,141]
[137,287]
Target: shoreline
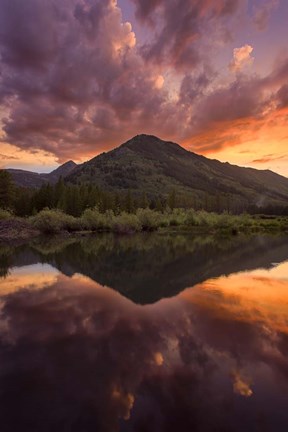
[17,230]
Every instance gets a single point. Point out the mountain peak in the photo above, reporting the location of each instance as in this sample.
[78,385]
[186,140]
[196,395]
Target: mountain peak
[64,169]
[152,146]
[143,139]
[69,162]
[145,163]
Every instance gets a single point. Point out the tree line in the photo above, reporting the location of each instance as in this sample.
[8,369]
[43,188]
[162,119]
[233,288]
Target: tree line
[75,199]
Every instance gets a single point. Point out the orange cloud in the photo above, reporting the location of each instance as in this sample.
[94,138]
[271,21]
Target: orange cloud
[241,58]
[229,141]
[269,158]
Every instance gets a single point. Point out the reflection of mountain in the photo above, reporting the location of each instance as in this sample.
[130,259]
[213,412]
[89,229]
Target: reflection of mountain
[146,268]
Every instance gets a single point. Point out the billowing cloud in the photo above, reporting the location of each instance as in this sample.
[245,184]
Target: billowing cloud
[241,58]
[77,80]
[180,28]
[71,80]
[227,115]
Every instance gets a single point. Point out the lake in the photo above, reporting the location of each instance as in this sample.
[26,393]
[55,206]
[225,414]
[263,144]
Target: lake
[148,333]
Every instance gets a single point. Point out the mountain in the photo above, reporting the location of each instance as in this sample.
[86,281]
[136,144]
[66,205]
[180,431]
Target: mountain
[62,171]
[31,179]
[147,164]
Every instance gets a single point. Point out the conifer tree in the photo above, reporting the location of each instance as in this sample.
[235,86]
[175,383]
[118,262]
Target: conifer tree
[128,204]
[172,199]
[6,189]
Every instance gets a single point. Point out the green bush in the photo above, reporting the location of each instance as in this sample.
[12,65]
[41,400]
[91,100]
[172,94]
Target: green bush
[176,217]
[191,218]
[5,214]
[93,220]
[225,220]
[126,223]
[53,221]
[149,220]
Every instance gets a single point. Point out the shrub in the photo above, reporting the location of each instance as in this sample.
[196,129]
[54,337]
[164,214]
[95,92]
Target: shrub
[176,217]
[225,220]
[207,219]
[126,223]
[93,220]
[5,214]
[191,218]
[149,220]
[53,221]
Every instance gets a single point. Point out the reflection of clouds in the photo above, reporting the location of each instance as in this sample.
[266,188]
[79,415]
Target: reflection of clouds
[158,358]
[241,385]
[125,401]
[259,297]
[88,357]
[32,277]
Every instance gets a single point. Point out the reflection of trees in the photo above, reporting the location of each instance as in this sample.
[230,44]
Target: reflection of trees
[6,254]
[52,245]
[147,267]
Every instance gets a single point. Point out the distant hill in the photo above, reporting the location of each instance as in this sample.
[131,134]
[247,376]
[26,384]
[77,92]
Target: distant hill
[31,179]
[146,163]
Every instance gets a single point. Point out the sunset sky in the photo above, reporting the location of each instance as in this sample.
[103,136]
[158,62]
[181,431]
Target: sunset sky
[79,77]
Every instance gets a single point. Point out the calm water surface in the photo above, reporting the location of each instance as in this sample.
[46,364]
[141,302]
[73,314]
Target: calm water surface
[145,333]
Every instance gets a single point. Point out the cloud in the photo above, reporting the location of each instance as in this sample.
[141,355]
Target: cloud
[8,157]
[71,79]
[241,58]
[225,115]
[282,96]
[179,29]
[241,385]
[193,87]
[75,81]
[263,13]
[269,158]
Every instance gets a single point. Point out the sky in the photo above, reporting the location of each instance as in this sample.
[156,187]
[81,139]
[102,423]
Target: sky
[80,77]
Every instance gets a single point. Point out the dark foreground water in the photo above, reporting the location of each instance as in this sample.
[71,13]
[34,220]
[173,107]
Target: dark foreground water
[147,333]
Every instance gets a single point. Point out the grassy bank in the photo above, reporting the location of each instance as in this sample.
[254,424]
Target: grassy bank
[54,221]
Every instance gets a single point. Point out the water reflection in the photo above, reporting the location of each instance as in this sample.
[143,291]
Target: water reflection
[78,356]
[146,268]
